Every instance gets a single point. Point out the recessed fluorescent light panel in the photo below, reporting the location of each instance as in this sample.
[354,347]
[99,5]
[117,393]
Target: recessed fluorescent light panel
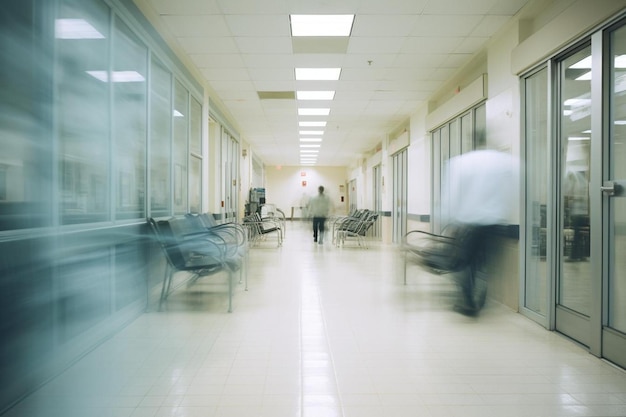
[315,95]
[318,74]
[311,132]
[321,25]
[309,146]
[313,112]
[312,124]
[310,139]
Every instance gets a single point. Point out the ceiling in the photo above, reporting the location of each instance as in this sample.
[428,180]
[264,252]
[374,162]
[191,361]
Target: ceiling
[399,54]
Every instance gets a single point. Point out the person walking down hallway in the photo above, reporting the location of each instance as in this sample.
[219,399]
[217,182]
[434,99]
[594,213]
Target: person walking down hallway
[319,209]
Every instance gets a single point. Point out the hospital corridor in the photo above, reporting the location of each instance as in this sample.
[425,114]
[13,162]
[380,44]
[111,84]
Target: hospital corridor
[330,332]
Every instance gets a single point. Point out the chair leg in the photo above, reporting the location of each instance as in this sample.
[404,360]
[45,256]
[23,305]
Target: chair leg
[230,290]
[167,284]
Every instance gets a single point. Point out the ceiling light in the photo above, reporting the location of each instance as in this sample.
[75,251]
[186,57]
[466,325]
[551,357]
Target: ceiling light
[312,124]
[315,95]
[310,139]
[321,25]
[75,29]
[311,132]
[318,74]
[305,151]
[313,112]
[309,146]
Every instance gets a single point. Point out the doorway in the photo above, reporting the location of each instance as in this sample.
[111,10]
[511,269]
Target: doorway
[574,267]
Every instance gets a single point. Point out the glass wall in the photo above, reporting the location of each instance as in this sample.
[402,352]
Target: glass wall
[400,190]
[230,174]
[160,143]
[458,136]
[100,128]
[128,80]
[83,111]
[195,158]
[537,180]
[102,123]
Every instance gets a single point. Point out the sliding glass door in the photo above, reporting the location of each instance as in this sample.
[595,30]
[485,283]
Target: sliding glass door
[575,207]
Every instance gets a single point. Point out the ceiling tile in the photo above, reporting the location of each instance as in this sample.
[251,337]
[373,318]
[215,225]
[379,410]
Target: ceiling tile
[213,45]
[385,25]
[218,61]
[185,7]
[366,44]
[401,52]
[392,6]
[431,45]
[225,74]
[258,25]
[445,25]
[269,60]
[202,25]
[489,25]
[467,7]
[253,6]
[265,45]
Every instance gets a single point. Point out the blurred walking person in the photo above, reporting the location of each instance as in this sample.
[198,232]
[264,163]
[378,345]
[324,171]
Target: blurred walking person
[481,194]
[319,208]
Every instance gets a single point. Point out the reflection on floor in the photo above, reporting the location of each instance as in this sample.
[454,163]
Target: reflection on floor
[327,332]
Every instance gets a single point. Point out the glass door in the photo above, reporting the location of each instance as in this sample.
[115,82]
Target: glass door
[574,277]
[536,298]
[614,204]
[399,195]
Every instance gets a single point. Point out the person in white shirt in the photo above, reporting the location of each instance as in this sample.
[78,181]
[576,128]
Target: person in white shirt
[319,208]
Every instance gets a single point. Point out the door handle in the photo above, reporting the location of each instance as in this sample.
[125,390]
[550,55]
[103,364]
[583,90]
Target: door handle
[610,188]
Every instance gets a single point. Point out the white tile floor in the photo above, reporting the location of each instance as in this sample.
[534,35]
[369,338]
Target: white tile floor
[327,332]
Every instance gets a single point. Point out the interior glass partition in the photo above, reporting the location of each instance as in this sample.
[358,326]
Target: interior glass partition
[574,277]
[400,177]
[128,80]
[195,157]
[160,139]
[458,136]
[537,185]
[575,182]
[613,186]
[181,151]
[83,125]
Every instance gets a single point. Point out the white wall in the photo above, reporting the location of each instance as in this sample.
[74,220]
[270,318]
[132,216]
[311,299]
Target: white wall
[283,186]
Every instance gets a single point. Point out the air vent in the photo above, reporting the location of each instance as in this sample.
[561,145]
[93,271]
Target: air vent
[276,95]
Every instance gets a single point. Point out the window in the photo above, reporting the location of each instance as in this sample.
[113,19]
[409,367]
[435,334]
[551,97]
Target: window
[458,136]
[128,80]
[160,139]
[83,112]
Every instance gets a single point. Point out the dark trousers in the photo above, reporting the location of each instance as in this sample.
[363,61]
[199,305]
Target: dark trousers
[472,279]
[318,226]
